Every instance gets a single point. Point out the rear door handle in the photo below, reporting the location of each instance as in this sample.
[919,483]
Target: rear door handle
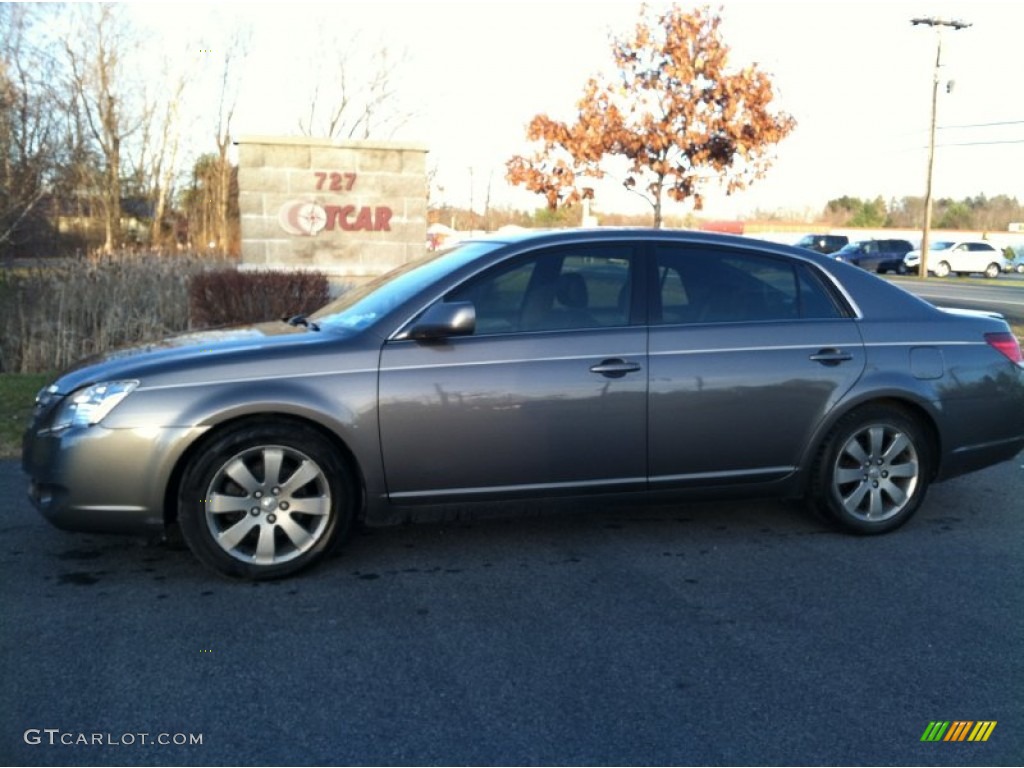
[615,368]
[831,356]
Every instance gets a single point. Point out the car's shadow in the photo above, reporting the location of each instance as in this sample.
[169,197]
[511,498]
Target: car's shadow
[465,538]
[450,538]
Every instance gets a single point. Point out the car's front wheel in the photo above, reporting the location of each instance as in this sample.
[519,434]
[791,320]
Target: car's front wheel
[873,470]
[942,269]
[263,501]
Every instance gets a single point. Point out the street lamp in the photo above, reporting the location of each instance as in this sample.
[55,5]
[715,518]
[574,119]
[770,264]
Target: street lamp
[938,24]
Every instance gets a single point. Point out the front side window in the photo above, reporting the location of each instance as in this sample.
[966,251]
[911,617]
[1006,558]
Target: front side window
[361,307]
[582,286]
[706,285]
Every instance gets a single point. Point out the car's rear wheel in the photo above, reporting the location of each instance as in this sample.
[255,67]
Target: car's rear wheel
[264,501]
[873,471]
[992,270]
[942,269]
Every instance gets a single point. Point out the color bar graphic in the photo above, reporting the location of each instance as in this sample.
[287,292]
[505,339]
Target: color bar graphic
[958,730]
[935,731]
[982,730]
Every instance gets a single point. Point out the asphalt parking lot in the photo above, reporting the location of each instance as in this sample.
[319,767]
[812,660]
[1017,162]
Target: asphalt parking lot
[740,633]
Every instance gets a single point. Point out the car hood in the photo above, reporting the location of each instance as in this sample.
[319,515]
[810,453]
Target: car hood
[193,353]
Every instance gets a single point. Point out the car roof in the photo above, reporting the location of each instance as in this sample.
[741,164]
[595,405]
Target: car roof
[582,234]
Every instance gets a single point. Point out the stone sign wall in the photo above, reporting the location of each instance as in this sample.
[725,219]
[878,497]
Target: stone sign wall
[353,209]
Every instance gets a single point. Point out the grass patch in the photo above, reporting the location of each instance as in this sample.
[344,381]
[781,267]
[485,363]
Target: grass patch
[17,394]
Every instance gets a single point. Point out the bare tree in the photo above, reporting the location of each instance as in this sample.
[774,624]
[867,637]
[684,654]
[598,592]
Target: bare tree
[29,128]
[97,50]
[355,92]
[156,159]
[166,159]
[232,62]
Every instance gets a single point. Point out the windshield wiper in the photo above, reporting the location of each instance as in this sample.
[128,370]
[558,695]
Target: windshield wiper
[301,320]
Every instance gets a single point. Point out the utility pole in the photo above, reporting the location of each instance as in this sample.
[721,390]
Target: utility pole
[938,24]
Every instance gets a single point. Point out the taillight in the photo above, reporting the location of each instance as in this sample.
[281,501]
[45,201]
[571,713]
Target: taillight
[1007,344]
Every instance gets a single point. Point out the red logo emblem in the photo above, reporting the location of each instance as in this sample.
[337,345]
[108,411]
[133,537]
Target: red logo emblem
[298,217]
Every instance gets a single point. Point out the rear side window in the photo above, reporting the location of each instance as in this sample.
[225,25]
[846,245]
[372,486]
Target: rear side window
[706,285]
[897,245]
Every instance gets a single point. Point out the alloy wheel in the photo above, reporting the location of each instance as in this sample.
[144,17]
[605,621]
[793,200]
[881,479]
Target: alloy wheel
[876,472]
[268,505]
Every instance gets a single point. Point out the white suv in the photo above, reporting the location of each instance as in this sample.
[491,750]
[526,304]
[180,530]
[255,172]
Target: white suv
[959,257]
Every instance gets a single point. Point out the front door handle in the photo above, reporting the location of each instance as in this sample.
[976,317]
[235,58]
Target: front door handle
[615,368]
[831,356]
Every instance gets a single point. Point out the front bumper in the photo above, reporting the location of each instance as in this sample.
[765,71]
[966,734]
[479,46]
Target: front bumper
[103,480]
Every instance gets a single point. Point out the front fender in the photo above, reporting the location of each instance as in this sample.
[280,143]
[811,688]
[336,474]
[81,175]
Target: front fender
[343,404]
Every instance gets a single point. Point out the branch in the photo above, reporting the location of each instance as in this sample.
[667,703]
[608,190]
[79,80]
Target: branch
[5,237]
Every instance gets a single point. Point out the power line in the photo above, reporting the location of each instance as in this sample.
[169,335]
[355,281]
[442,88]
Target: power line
[978,143]
[982,125]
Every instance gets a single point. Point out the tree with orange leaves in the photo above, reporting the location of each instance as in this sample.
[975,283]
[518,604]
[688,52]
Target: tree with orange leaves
[675,117]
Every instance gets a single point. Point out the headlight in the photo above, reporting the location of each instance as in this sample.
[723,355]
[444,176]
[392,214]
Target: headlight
[90,405]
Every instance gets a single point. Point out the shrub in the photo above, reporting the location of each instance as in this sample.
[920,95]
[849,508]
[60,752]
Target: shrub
[230,297]
[60,311]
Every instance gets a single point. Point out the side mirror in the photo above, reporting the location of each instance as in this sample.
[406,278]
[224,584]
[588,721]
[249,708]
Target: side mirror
[443,320]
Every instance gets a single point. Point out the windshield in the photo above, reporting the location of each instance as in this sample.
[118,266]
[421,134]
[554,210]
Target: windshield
[942,245]
[363,305]
[851,247]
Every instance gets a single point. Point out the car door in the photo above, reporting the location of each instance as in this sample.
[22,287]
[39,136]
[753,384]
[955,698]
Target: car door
[870,256]
[548,394]
[748,353]
[960,258]
[982,255]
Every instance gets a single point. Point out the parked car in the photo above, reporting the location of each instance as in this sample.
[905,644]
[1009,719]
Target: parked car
[579,362]
[876,255]
[822,243]
[1014,260]
[959,257]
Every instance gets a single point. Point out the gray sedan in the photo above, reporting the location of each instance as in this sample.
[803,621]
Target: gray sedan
[577,362]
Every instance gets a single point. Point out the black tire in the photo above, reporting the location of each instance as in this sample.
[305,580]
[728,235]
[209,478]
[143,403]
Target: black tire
[873,470]
[942,269]
[263,501]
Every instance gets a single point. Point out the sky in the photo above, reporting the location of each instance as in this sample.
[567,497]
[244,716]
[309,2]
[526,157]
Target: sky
[856,76]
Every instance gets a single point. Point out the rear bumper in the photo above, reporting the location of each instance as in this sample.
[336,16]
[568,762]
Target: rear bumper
[972,457]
